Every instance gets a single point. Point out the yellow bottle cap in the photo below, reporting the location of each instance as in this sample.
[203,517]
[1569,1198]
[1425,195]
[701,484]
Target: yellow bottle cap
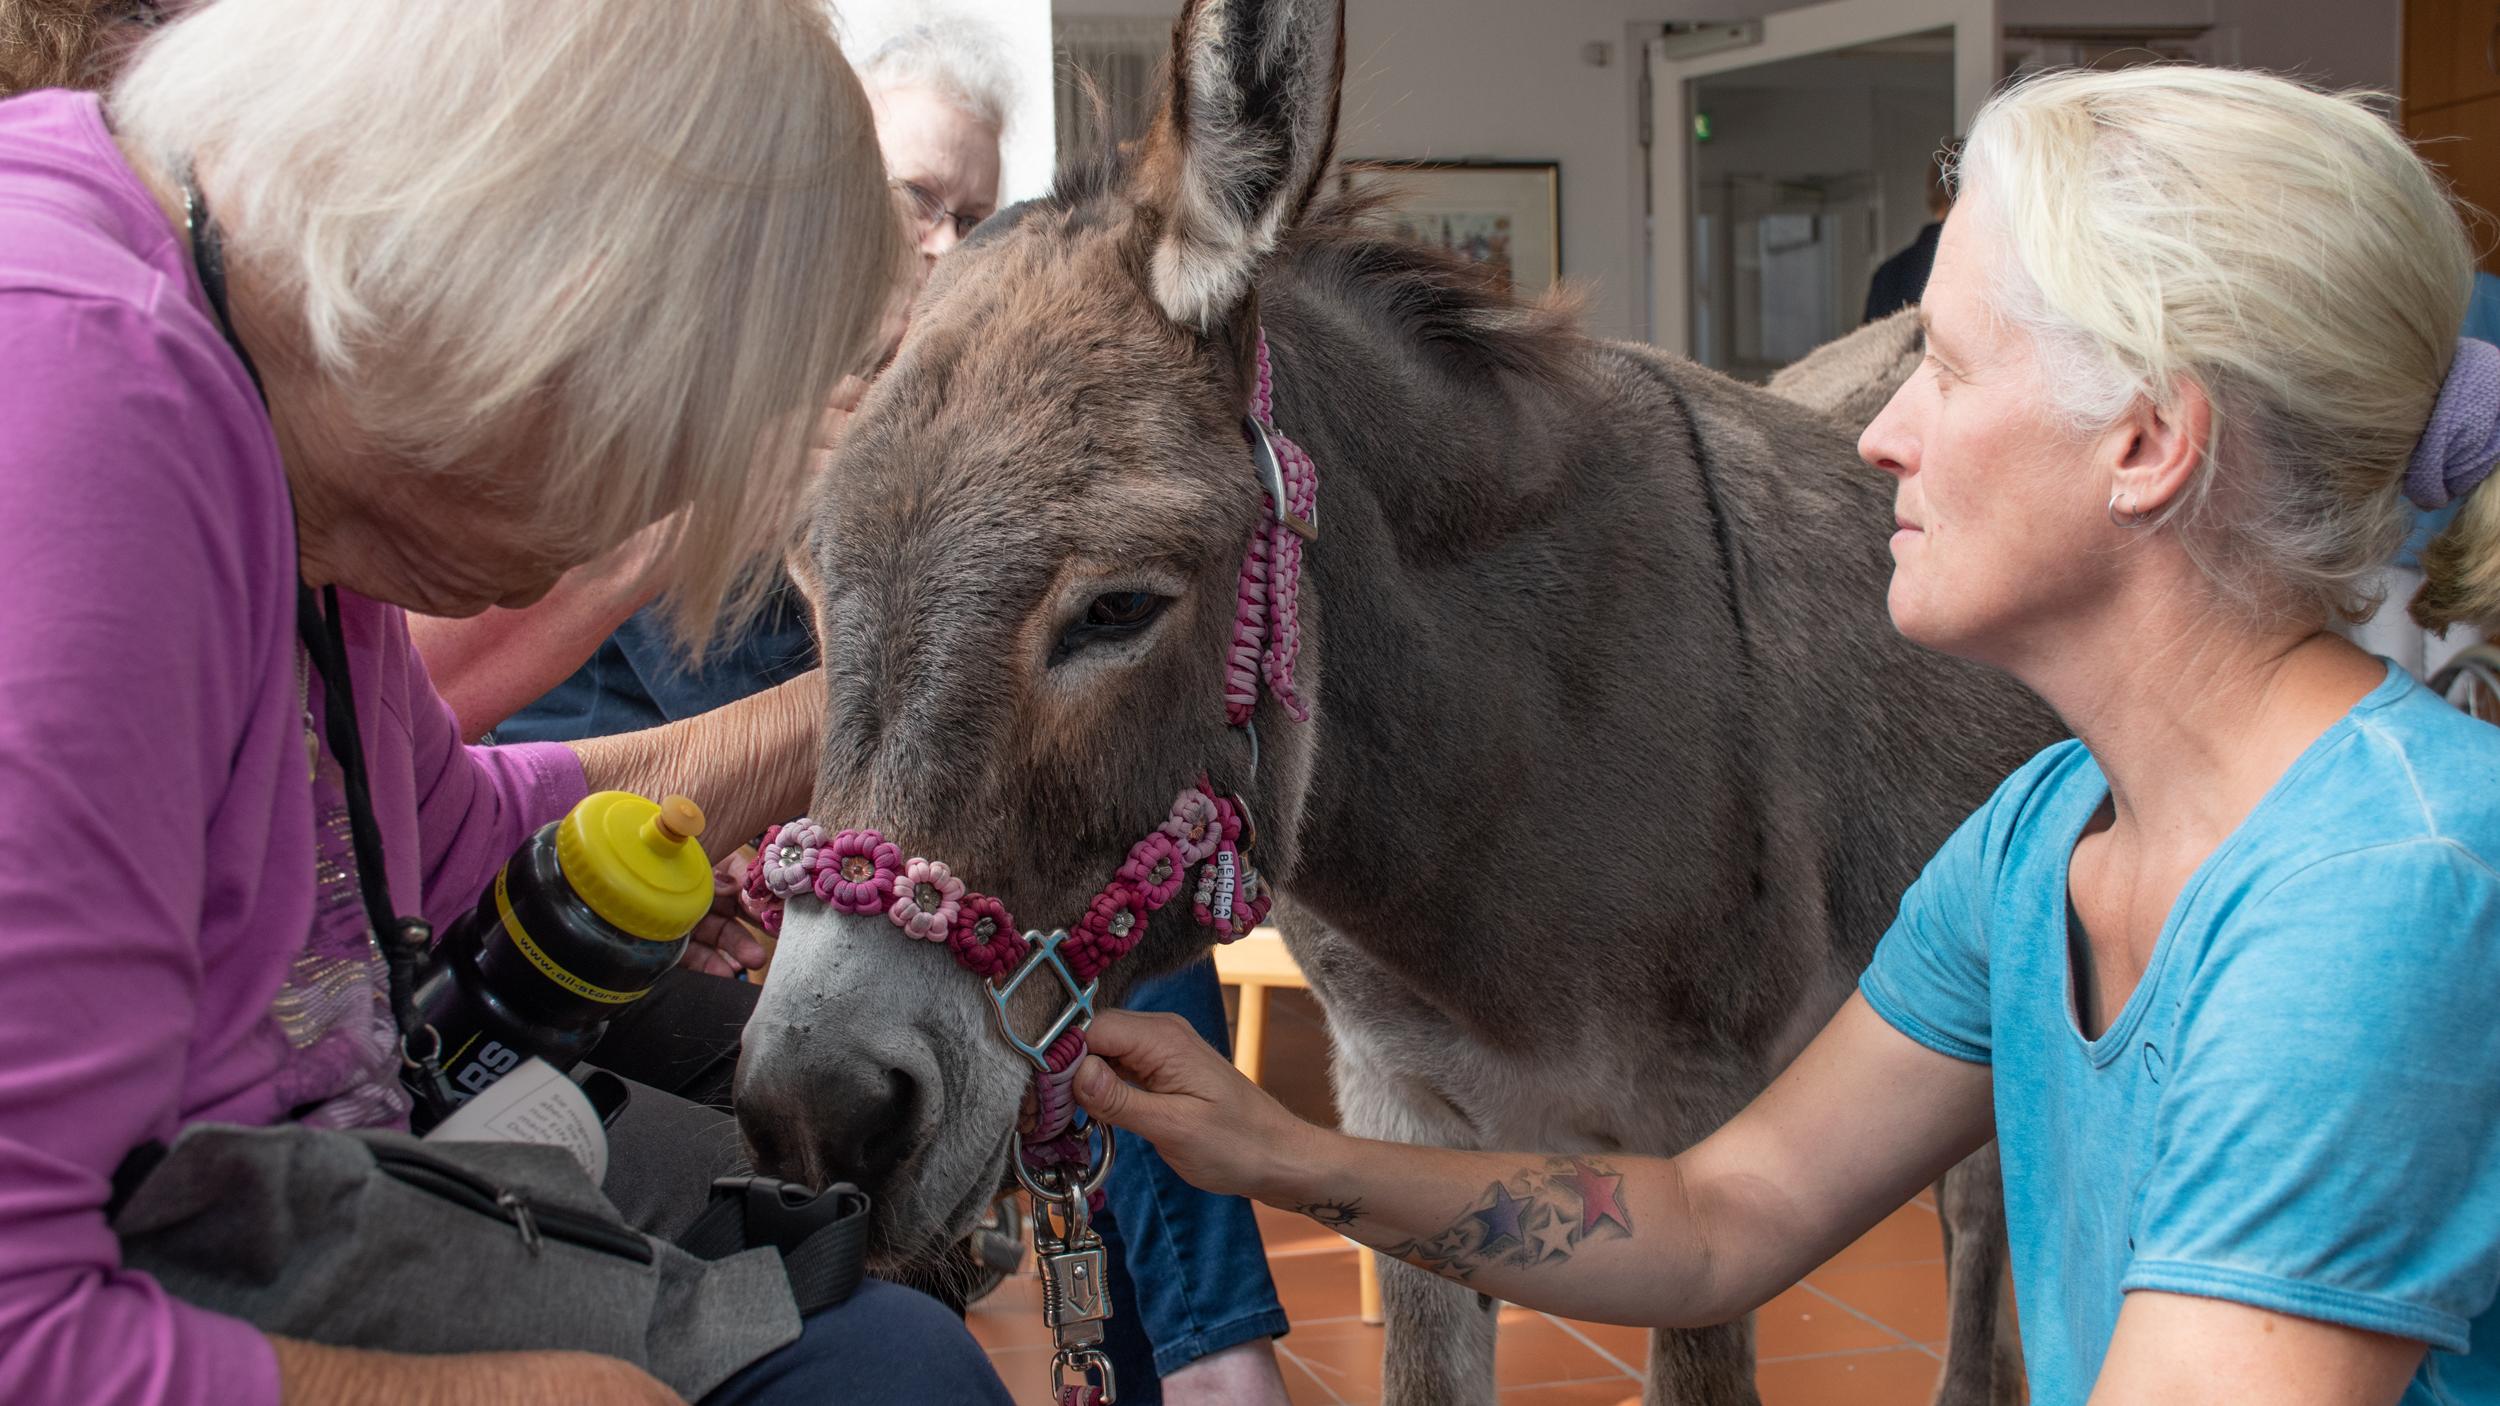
[637,864]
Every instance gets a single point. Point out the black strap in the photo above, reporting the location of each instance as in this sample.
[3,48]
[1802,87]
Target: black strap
[823,1238]
[404,941]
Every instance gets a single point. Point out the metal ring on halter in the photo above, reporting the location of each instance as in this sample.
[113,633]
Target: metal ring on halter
[1251,726]
[1272,478]
[1092,1368]
[1085,1185]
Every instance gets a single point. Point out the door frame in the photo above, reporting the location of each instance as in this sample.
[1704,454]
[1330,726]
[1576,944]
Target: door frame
[1788,34]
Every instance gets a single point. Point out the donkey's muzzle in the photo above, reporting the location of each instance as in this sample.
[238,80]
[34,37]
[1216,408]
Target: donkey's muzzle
[855,1115]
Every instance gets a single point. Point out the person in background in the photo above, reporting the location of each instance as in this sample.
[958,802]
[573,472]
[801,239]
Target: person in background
[2217,972]
[275,366]
[69,43]
[1192,1264]
[1900,280]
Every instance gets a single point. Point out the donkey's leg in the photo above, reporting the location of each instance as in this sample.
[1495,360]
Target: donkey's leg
[1440,1332]
[1702,1366]
[1983,1361]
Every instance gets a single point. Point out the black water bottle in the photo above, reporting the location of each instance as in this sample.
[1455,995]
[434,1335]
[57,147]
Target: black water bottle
[577,926]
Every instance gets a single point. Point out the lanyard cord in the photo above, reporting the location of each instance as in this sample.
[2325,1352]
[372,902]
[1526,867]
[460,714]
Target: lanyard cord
[403,941]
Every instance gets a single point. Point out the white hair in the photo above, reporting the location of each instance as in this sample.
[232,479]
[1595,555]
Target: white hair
[962,59]
[2278,247]
[642,240]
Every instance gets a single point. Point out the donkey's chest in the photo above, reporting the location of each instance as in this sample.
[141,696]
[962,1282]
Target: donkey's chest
[1572,1066]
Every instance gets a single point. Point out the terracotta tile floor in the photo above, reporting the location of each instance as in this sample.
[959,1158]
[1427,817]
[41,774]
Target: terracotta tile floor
[1866,1329]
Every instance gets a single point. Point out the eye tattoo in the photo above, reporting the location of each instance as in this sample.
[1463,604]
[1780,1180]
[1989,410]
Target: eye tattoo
[1336,1215]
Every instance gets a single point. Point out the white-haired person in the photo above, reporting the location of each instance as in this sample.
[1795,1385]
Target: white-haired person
[595,657]
[2219,973]
[327,313]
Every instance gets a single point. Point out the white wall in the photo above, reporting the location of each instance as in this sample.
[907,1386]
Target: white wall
[1505,78]
[1027,156]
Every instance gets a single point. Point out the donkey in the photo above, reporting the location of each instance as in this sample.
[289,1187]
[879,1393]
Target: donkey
[1614,768]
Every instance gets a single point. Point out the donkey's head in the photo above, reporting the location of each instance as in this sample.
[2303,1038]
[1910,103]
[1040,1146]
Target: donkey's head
[1028,549]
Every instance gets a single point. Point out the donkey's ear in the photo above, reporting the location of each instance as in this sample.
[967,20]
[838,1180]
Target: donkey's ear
[1249,123]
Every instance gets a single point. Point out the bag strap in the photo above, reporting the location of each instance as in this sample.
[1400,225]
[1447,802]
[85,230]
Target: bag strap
[822,1236]
[404,941]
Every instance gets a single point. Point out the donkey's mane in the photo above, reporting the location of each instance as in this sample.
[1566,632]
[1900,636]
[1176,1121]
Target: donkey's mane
[1460,311]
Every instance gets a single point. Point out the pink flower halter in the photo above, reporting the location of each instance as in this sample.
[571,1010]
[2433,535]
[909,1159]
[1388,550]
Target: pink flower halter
[860,871]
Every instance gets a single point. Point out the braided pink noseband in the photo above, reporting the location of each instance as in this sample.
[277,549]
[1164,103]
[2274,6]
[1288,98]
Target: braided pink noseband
[859,871]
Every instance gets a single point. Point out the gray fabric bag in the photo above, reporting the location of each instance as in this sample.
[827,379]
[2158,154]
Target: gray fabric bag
[374,1239]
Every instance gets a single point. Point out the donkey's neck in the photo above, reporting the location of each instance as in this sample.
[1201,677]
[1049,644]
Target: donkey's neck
[1509,573]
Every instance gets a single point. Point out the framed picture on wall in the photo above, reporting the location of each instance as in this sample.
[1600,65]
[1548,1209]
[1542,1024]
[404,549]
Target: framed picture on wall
[1507,214]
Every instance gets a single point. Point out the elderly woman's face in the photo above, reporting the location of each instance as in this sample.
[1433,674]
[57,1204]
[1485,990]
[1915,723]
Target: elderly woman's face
[944,154]
[1997,508]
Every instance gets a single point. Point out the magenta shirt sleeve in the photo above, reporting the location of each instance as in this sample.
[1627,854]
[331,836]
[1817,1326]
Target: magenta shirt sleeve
[451,814]
[132,651]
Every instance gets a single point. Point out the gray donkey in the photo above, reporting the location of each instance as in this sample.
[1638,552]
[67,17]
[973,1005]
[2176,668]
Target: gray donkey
[1615,771]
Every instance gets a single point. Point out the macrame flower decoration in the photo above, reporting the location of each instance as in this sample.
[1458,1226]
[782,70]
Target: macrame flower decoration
[984,939]
[1196,827]
[1112,924]
[927,896]
[857,875]
[790,856]
[1155,870]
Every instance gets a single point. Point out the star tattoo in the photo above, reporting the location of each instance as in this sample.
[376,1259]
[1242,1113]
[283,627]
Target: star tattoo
[1600,1195]
[1501,1219]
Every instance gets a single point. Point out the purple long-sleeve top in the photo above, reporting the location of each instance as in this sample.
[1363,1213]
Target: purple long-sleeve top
[180,933]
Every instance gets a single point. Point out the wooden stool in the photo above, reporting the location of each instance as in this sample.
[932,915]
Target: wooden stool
[1257,964]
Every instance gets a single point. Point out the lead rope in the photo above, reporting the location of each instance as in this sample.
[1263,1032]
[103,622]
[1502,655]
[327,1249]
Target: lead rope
[859,871]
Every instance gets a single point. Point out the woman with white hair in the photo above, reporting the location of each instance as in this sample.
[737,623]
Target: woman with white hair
[2218,973]
[328,313]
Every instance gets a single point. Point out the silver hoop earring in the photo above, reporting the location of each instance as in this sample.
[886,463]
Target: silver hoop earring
[2131,518]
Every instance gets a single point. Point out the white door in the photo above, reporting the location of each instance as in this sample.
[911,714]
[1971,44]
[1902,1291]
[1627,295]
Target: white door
[1787,160]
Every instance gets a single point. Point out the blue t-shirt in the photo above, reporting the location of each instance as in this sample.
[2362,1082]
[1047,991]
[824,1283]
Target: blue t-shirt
[2299,1107]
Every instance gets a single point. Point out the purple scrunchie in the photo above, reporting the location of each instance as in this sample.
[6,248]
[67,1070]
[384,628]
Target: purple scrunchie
[2462,441]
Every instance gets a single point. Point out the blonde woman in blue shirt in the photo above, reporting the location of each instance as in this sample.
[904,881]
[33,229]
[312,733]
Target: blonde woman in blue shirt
[2223,974]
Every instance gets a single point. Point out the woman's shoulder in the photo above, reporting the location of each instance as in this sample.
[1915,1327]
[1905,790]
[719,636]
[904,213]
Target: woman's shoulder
[75,222]
[2409,772]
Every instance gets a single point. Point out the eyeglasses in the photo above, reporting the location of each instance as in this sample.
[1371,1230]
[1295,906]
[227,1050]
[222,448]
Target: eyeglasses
[929,210]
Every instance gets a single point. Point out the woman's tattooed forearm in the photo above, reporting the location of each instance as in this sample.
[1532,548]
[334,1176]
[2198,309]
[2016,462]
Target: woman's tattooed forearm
[1534,1218]
[1336,1215]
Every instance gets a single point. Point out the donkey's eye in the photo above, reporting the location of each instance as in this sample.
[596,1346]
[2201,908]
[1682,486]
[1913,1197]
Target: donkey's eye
[1113,615]
[1123,609]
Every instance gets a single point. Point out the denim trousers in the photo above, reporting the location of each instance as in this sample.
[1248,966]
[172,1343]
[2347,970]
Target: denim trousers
[1188,1271]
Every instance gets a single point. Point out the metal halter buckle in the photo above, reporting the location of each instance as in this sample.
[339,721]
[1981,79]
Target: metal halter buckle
[1078,1011]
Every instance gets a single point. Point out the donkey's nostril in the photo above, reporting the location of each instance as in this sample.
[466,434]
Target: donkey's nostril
[855,1123]
[866,1147]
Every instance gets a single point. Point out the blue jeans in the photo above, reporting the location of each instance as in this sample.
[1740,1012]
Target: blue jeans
[1191,1264]
[883,1346]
